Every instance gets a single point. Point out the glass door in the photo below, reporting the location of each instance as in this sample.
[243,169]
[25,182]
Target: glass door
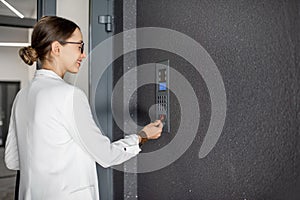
[8,91]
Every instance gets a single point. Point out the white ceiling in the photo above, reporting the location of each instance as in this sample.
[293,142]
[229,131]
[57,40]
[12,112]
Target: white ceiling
[26,7]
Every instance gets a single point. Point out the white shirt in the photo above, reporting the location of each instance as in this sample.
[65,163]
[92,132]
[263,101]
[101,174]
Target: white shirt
[54,142]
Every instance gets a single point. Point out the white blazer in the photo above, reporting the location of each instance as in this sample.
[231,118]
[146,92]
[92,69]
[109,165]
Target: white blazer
[54,142]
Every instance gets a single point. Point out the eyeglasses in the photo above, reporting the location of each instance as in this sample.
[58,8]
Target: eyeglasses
[82,44]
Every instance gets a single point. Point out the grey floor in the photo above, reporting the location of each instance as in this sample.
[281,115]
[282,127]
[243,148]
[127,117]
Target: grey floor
[7,180]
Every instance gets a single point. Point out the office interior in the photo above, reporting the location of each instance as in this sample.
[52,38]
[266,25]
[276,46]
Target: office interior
[224,75]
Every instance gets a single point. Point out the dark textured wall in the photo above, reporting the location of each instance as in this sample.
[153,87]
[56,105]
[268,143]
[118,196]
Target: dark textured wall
[255,45]
[118,177]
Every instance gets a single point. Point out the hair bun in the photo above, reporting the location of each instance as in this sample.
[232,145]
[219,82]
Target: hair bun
[28,55]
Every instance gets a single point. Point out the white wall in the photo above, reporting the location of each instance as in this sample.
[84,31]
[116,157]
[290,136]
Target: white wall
[78,12]
[12,68]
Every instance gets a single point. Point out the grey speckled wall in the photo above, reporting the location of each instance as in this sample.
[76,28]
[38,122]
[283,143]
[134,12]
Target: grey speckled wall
[255,45]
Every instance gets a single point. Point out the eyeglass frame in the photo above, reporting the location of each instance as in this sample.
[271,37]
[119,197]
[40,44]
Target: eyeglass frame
[82,44]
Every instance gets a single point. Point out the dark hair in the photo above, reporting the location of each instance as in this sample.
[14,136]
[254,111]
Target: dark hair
[47,30]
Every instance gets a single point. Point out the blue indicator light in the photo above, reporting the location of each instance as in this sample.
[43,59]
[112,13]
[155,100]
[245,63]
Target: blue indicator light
[163,86]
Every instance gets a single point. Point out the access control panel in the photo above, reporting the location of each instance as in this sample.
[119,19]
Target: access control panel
[162,93]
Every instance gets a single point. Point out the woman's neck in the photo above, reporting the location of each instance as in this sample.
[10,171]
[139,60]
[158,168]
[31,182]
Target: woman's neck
[58,71]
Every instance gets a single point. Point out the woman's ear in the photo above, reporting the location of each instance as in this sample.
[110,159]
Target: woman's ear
[55,48]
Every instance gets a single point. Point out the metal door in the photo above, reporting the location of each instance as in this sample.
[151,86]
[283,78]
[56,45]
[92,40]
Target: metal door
[100,86]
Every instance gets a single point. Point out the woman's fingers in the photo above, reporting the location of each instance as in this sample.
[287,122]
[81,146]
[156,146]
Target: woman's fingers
[154,129]
[161,125]
[156,123]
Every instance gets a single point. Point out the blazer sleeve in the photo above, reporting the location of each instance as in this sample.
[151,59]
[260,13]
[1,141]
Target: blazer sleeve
[11,155]
[88,136]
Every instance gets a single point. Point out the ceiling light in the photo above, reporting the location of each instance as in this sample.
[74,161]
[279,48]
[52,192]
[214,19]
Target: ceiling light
[12,9]
[14,44]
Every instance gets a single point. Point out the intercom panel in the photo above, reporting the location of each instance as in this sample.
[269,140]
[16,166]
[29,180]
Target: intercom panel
[162,93]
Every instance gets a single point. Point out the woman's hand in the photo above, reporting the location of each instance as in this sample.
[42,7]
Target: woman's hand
[151,131]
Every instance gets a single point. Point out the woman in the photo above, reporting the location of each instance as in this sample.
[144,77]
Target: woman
[53,139]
